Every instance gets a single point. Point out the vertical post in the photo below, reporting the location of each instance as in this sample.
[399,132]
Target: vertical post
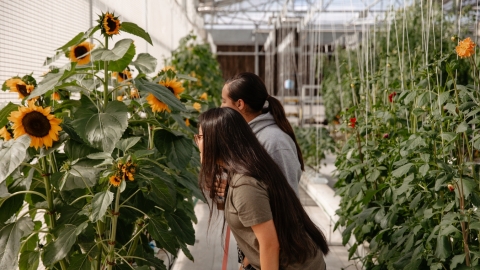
[146,23]
[256,51]
[90,13]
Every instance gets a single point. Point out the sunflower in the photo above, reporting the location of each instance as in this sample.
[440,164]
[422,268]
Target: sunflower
[81,53]
[122,76]
[134,93]
[115,180]
[120,98]
[5,134]
[204,96]
[157,105]
[19,86]
[465,48]
[37,122]
[197,106]
[174,86]
[111,24]
[187,122]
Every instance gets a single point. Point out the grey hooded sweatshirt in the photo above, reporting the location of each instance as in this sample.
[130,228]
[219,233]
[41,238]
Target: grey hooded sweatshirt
[279,146]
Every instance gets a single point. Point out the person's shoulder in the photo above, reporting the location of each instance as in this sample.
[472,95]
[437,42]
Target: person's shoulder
[273,137]
[241,179]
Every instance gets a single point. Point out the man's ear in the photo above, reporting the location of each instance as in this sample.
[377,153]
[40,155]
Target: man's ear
[240,104]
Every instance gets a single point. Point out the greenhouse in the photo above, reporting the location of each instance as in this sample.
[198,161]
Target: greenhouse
[239,134]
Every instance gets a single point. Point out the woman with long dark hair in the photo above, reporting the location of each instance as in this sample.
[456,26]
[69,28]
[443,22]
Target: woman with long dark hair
[264,214]
[247,94]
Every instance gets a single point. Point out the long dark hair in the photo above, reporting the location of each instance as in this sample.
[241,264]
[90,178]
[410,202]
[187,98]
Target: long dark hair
[251,89]
[228,140]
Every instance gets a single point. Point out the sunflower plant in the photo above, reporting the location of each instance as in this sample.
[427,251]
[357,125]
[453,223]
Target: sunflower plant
[103,180]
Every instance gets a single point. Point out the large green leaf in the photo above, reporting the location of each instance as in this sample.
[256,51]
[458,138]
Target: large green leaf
[51,80]
[181,226]
[29,260]
[149,260]
[102,130]
[178,149]
[469,185]
[100,203]
[5,112]
[76,150]
[158,191]
[161,93]
[13,153]
[118,51]
[79,177]
[145,63]
[10,237]
[20,182]
[80,262]
[135,30]
[56,250]
[190,181]
[128,143]
[402,170]
[158,229]
[457,259]
[443,249]
[119,56]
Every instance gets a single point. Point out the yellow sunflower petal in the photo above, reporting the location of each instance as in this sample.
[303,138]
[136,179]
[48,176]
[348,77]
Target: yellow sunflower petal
[157,105]
[204,96]
[174,86]
[5,134]
[197,106]
[115,181]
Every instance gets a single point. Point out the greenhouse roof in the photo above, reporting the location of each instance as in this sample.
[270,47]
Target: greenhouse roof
[264,14]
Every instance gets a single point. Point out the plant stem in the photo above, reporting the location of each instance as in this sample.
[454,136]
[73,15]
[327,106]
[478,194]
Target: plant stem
[51,207]
[137,232]
[100,230]
[105,82]
[111,253]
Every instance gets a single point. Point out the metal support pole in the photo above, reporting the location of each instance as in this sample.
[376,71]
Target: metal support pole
[256,51]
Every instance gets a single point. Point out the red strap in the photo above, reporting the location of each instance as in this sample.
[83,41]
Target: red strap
[225,252]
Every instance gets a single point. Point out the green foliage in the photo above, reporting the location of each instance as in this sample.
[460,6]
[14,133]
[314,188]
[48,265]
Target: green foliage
[197,61]
[118,170]
[408,171]
[314,142]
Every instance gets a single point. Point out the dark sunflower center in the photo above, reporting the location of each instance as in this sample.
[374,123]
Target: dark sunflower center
[111,23]
[80,52]
[22,88]
[171,90]
[123,75]
[36,124]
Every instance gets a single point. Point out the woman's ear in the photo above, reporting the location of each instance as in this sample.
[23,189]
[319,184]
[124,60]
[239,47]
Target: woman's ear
[240,104]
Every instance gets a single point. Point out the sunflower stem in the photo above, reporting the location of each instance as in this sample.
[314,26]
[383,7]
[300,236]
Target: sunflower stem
[111,243]
[51,222]
[105,82]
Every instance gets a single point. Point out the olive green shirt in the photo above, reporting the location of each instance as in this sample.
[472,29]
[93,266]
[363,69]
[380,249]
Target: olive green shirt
[248,204]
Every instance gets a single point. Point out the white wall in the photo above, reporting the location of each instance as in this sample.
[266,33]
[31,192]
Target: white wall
[31,30]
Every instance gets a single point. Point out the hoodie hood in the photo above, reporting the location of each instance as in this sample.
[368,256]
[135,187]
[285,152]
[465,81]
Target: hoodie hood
[262,121]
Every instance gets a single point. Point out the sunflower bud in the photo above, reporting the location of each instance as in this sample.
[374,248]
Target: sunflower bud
[352,85]
[451,187]
[454,38]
